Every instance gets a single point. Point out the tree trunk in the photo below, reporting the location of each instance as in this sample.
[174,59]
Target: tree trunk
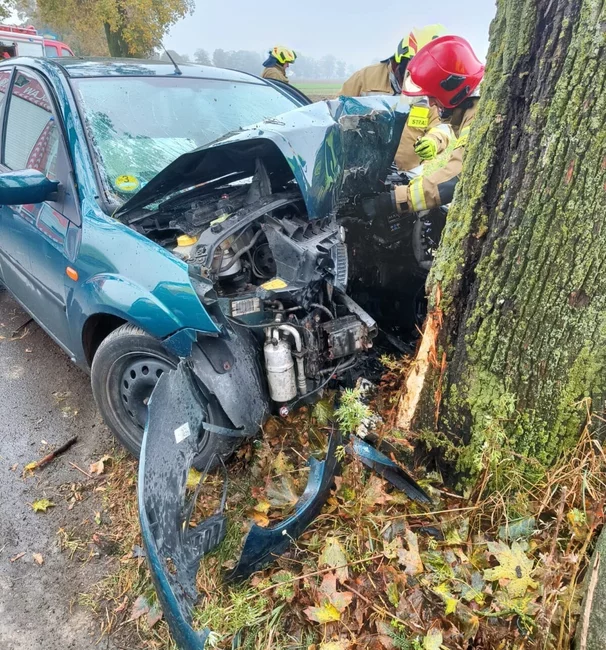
[116,44]
[514,352]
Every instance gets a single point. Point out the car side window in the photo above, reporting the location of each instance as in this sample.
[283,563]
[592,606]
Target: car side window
[32,134]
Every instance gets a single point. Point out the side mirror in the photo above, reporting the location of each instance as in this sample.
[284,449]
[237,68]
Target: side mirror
[26,186]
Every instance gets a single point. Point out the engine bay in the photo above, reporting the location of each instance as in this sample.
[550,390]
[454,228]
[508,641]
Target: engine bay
[257,261]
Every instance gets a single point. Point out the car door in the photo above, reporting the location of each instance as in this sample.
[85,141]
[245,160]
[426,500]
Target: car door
[5,82]
[38,239]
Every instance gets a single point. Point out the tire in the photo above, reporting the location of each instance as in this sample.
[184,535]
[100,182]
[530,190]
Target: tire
[125,370]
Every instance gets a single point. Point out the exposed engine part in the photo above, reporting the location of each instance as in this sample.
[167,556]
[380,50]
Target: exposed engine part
[280,368]
[289,329]
[346,336]
[256,259]
[305,250]
[230,264]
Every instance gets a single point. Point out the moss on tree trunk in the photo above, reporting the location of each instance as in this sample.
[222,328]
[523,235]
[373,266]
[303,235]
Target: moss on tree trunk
[520,276]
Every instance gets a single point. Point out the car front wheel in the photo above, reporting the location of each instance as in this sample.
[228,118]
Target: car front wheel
[124,373]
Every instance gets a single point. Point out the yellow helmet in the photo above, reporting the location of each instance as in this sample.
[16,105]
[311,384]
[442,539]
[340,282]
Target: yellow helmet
[283,55]
[417,39]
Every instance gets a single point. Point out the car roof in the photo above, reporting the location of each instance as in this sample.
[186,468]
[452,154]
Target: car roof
[77,67]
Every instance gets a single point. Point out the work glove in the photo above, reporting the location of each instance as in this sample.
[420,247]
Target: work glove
[377,206]
[426,148]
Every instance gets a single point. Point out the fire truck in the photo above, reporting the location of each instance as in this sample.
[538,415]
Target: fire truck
[26,41]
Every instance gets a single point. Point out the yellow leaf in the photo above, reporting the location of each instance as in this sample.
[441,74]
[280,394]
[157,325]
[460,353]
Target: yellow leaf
[327,613]
[433,640]
[42,505]
[193,478]
[38,559]
[260,519]
[514,570]
[263,506]
[450,601]
[335,645]
[30,467]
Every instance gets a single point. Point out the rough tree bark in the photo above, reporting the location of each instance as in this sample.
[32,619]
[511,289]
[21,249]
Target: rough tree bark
[514,350]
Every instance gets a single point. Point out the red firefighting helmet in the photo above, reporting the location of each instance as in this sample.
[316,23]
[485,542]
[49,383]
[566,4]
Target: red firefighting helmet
[446,69]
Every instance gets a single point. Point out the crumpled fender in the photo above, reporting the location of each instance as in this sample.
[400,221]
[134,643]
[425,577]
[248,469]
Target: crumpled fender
[114,294]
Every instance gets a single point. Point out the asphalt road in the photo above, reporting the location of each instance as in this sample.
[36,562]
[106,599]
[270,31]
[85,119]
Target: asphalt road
[44,401]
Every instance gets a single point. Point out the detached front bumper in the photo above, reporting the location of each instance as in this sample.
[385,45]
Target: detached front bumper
[174,436]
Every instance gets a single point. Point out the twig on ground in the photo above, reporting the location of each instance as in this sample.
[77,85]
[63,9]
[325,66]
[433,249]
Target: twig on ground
[560,517]
[49,457]
[81,470]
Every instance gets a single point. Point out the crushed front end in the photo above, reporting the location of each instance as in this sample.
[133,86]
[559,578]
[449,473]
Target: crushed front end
[255,217]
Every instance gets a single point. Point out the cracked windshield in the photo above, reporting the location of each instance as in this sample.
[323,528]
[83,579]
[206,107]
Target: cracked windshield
[138,126]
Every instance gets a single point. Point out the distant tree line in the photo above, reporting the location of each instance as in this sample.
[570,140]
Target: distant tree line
[306,67]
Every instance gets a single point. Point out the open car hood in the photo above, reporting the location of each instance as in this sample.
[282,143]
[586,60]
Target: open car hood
[335,149]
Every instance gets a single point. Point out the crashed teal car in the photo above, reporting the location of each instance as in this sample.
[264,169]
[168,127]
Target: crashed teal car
[178,232]
[144,221]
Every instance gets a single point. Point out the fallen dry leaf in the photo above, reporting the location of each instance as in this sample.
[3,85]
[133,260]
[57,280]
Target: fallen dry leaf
[333,556]
[333,604]
[281,492]
[260,519]
[153,616]
[38,559]
[99,467]
[140,608]
[335,645]
[433,640]
[514,569]
[262,506]
[17,557]
[411,558]
[327,613]
[42,505]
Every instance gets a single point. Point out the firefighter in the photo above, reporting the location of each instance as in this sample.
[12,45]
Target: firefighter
[449,73]
[277,63]
[386,78]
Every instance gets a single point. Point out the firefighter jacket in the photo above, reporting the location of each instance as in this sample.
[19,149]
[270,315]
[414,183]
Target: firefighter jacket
[422,121]
[433,190]
[275,72]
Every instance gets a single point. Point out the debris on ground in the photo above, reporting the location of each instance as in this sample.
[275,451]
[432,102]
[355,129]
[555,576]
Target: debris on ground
[42,505]
[485,569]
[31,467]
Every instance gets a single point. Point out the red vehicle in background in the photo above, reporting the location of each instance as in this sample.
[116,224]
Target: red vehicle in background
[26,41]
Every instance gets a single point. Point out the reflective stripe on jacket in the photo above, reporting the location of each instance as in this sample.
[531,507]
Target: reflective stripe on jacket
[275,72]
[438,188]
[375,80]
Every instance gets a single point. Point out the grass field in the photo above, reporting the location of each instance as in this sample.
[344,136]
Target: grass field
[317,90]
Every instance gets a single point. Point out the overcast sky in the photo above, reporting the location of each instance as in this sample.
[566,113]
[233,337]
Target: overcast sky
[358,31]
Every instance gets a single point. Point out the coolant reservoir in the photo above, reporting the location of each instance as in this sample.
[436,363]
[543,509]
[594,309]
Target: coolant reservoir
[185,243]
[280,367]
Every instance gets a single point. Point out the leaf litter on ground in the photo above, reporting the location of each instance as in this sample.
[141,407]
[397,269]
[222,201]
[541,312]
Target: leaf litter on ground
[498,569]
